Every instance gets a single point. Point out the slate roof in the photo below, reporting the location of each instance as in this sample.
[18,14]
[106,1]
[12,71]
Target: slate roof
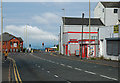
[113,39]
[7,37]
[82,21]
[111,4]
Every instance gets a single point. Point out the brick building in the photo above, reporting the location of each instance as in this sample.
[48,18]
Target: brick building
[11,43]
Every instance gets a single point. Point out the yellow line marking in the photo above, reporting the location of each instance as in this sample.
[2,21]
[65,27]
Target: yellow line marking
[15,67]
[18,74]
[15,73]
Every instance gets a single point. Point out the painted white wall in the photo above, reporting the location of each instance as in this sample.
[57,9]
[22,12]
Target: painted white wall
[106,32]
[119,14]
[107,15]
[76,28]
[111,18]
[98,12]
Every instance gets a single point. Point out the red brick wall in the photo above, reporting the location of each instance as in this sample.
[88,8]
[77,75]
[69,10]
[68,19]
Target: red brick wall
[8,46]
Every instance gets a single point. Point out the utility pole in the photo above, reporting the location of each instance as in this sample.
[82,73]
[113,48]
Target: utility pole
[89,26]
[63,29]
[1,31]
[60,41]
[82,36]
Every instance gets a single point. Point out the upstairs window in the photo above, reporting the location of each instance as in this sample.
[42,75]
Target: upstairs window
[103,9]
[115,10]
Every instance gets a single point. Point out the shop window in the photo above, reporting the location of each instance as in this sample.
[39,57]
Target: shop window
[3,43]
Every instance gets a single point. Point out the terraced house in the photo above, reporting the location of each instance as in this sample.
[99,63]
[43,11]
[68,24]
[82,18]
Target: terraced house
[11,43]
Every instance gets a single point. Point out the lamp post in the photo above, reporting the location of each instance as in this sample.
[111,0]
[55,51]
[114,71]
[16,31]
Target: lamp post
[1,31]
[82,35]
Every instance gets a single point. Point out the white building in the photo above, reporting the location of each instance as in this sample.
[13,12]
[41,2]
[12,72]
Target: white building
[71,32]
[108,12]
[109,37]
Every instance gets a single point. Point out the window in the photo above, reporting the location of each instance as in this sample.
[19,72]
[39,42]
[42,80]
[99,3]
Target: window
[115,10]
[3,43]
[17,43]
[103,9]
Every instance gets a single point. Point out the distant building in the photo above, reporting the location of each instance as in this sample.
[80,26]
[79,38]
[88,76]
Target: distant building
[108,12]
[70,36]
[11,43]
[52,49]
[109,37]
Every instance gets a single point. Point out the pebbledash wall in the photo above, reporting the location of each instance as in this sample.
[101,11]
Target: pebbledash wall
[109,39]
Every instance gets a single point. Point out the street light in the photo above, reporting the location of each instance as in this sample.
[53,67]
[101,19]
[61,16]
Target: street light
[1,30]
[82,36]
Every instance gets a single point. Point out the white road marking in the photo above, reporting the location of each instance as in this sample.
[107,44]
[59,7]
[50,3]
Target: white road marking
[78,69]
[39,66]
[56,76]
[90,72]
[68,82]
[57,63]
[48,71]
[62,64]
[42,68]
[108,77]
[69,66]
[52,62]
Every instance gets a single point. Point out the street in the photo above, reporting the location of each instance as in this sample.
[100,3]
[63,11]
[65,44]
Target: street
[47,67]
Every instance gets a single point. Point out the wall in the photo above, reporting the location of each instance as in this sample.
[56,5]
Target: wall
[107,15]
[119,14]
[76,28]
[111,18]
[106,32]
[98,12]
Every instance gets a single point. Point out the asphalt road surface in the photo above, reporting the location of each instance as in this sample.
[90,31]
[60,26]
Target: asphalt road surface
[44,67]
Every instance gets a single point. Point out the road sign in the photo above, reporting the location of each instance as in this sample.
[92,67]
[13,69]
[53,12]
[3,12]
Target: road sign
[116,29]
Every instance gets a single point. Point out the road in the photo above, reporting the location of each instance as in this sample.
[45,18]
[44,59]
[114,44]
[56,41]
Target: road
[39,67]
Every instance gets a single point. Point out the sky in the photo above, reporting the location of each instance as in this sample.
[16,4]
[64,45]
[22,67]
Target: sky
[42,19]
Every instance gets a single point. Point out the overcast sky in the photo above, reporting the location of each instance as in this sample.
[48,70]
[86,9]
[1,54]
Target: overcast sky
[43,19]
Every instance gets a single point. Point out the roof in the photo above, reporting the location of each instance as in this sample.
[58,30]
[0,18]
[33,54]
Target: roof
[7,37]
[111,4]
[20,39]
[82,21]
[113,39]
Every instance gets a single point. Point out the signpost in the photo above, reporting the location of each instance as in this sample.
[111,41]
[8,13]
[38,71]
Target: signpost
[116,29]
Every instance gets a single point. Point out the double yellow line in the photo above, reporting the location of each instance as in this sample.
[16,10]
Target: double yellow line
[16,73]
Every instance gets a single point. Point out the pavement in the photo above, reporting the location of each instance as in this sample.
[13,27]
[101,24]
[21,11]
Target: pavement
[47,67]
[100,62]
